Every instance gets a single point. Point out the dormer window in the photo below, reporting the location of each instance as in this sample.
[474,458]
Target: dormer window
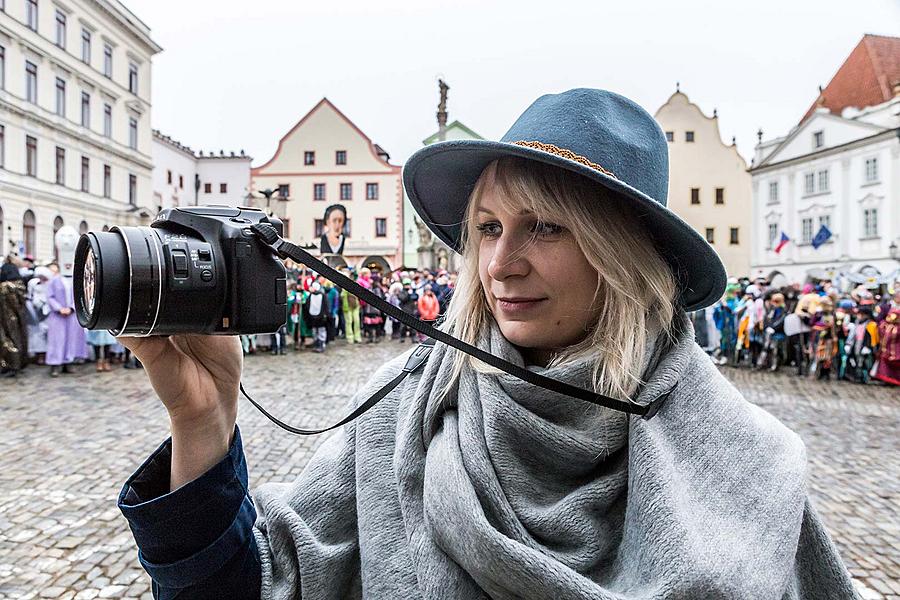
[818,139]
[309,158]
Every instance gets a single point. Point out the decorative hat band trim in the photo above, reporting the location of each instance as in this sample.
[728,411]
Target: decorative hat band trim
[567,154]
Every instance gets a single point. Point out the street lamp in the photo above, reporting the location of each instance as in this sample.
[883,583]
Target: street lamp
[894,251]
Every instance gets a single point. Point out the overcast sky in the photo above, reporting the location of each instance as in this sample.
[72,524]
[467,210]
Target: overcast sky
[235,74]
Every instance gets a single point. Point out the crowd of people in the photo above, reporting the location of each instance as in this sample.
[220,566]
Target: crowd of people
[319,312]
[816,330]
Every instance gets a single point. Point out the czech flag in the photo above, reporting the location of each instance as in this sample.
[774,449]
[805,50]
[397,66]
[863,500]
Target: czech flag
[782,243]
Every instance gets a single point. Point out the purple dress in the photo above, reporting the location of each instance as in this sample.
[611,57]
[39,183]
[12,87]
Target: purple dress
[65,336]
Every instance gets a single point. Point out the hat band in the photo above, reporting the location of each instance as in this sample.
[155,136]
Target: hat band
[564,153]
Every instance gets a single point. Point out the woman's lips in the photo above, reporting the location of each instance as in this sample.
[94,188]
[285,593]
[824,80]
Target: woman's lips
[518,305]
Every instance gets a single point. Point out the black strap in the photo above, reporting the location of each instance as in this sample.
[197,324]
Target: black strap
[285,249]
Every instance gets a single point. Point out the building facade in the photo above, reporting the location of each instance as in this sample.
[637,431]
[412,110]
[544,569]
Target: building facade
[709,186]
[325,159]
[839,168]
[75,137]
[182,177]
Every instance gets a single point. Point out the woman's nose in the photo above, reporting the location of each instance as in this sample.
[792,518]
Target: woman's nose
[509,258]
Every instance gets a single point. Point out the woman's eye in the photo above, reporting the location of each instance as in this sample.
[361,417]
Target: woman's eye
[489,229]
[548,229]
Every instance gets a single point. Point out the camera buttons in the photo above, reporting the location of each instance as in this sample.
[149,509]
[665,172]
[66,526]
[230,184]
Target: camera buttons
[206,275]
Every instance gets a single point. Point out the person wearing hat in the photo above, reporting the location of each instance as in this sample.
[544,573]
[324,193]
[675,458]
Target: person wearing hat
[467,483]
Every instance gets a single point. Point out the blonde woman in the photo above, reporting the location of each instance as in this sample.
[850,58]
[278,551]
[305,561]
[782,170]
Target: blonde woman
[468,483]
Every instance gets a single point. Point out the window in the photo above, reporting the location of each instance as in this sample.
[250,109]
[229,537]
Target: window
[711,235]
[57,225]
[85,110]
[207,188]
[809,183]
[223,188]
[2,148]
[31,156]
[318,227]
[107,120]
[169,176]
[870,222]
[107,181]
[733,236]
[689,136]
[720,195]
[284,190]
[132,133]
[85,174]
[818,139]
[346,191]
[318,191]
[132,189]
[86,46]
[670,136]
[380,227]
[871,170]
[60,166]
[695,195]
[28,232]
[773,191]
[825,220]
[309,158]
[340,157]
[132,78]
[83,227]
[107,60]
[823,181]
[31,82]
[31,14]
[806,230]
[2,67]
[60,29]
[773,233]
[371,191]
[61,97]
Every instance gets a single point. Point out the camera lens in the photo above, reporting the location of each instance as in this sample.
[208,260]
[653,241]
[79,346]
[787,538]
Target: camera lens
[118,280]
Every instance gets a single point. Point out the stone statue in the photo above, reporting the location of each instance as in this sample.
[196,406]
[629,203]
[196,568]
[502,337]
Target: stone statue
[425,235]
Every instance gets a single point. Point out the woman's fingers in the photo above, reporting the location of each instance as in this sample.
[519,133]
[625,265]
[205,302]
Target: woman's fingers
[156,353]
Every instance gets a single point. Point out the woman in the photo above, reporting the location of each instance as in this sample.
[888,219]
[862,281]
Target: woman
[466,483]
[332,241]
[13,327]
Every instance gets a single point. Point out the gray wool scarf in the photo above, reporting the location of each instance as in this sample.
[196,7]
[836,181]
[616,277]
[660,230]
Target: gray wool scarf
[510,491]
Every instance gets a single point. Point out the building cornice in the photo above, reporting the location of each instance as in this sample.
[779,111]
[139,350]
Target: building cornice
[880,136]
[129,23]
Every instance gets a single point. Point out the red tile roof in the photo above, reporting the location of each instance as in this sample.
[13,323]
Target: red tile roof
[868,77]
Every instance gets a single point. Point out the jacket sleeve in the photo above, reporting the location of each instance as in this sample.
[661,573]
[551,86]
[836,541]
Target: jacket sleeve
[197,541]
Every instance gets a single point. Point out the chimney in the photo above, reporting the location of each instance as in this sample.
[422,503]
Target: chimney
[442,110]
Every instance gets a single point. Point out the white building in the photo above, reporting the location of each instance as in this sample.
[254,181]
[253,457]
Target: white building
[182,177]
[840,167]
[75,141]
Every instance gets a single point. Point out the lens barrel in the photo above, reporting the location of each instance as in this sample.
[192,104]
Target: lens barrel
[118,280]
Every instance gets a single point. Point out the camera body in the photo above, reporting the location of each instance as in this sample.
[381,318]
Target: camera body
[198,269]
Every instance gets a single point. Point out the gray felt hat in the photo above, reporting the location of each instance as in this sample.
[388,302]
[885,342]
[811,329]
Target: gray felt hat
[595,133]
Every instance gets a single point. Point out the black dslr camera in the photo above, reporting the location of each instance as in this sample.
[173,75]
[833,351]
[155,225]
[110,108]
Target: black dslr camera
[198,269]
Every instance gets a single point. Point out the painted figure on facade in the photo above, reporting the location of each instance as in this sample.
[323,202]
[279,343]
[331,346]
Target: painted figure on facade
[332,241]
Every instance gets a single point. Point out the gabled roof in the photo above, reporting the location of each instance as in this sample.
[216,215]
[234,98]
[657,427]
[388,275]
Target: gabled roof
[454,125]
[868,77]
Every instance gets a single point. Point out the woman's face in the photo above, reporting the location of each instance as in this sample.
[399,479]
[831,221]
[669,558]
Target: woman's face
[335,222]
[539,292]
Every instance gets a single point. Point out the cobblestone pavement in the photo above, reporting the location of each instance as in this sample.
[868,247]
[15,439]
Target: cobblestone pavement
[67,445]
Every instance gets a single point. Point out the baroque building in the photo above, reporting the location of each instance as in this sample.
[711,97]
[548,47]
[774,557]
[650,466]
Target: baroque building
[75,137]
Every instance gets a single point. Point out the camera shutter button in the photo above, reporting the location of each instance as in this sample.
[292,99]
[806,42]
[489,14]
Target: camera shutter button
[206,275]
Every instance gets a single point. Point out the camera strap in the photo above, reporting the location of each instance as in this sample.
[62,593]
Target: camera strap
[285,249]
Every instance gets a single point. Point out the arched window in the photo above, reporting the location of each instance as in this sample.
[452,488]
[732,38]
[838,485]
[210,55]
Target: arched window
[57,225]
[28,237]
[83,228]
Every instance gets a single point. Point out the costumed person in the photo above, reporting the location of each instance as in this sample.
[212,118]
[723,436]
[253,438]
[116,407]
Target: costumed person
[65,336]
[101,341]
[394,299]
[862,344]
[409,303]
[464,482]
[888,369]
[332,240]
[843,323]
[37,311]
[825,339]
[315,315]
[724,318]
[372,317]
[350,308]
[13,328]
[428,306]
[294,310]
[773,349]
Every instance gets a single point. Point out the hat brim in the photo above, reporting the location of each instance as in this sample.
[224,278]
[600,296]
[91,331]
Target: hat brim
[439,180]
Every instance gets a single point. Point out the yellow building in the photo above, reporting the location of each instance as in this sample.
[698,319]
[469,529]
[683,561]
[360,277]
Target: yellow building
[709,186]
[325,159]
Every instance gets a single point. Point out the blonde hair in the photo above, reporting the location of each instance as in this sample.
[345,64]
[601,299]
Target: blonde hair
[636,289]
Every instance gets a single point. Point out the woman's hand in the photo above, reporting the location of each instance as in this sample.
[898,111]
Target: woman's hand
[197,379]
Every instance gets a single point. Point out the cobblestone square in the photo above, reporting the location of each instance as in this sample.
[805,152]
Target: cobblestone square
[68,444]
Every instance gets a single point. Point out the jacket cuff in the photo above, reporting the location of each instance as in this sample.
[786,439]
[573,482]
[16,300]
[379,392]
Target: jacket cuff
[198,527]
